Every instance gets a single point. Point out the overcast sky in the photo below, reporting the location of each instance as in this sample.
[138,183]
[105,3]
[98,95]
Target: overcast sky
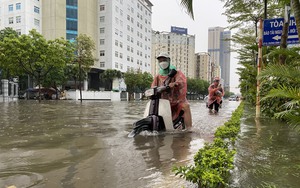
[207,13]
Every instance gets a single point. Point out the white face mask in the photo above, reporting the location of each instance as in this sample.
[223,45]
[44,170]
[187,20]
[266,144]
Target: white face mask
[164,64]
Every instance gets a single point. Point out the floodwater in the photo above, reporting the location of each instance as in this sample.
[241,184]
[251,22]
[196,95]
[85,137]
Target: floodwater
[268,154]
[72,145]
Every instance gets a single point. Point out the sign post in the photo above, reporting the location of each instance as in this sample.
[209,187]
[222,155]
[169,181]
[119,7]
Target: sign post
[273,30]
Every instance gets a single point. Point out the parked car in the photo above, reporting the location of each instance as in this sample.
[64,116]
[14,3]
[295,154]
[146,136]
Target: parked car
[234,98]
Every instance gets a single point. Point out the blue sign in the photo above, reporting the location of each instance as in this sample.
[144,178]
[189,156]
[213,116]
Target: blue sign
[273,29]
[178,30]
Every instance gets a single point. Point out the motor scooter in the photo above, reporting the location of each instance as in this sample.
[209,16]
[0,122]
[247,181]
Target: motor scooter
[158,115]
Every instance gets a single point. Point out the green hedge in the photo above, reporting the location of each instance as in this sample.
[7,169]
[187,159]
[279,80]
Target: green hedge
[213,162]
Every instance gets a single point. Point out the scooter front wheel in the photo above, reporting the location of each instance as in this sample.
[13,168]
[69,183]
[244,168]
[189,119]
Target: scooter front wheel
[141,125]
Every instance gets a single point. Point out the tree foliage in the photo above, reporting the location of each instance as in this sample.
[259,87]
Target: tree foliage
[84,58]
[109,75]
[32,54]
[197,86]
[5,66]
[137,81]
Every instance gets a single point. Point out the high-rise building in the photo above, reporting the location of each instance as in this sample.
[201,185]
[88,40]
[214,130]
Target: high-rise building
[219,50]
[179,45]
[203,66]
[125,34]
[21,15]
[121,29]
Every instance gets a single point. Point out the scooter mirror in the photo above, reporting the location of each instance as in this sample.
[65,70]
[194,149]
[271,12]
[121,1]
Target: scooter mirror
[172,73]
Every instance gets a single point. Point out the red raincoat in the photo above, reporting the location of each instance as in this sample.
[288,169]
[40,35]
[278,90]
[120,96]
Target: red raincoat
[212,96]
[177,94]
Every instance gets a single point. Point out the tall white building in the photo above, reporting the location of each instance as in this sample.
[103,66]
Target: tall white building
[203,66]
[21,15]
[125,35]
[121,29]
[179,45]
[219,49]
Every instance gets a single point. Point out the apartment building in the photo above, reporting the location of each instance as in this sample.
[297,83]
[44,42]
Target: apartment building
[21,15]
[125,35]
[180,46]
[204,66]
[121,29]
[219,50]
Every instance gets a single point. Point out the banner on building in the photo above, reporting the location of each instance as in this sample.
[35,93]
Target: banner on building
[179,30]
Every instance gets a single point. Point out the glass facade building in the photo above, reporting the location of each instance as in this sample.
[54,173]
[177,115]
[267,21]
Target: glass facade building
[71,19]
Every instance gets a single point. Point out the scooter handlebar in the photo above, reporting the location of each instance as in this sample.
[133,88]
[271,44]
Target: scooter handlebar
[161,89]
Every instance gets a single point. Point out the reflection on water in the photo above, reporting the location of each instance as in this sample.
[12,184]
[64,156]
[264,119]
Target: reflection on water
[268,154]
[69,144]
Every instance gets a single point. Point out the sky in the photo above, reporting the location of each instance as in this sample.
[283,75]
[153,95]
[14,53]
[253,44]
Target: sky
[207,13]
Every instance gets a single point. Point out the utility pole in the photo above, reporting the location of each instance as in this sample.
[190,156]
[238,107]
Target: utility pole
[259,62]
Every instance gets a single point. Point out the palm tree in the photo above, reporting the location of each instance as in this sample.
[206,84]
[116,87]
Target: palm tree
[188,5]
[288,91]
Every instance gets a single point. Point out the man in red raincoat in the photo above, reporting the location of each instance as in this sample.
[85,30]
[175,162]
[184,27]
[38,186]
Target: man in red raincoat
[215,94]
[178,89]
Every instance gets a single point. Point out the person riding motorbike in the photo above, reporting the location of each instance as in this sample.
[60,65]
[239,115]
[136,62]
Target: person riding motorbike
[178,89]
[215,94]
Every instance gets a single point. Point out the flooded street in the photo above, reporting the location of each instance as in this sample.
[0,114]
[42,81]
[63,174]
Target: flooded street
[72,145]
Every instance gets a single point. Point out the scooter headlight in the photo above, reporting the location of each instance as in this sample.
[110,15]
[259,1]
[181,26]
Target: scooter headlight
[149,92]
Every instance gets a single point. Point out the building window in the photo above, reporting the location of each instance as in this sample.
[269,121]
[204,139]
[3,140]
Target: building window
[116,43]
[102,19]
[121,55]
[102,41]
[36,9]
[102,53]
[36,22]
[102,7]
[18,31]
[10,8]
[18,6]
[72,3]
[116,65]
[10,20]
[116,54]
[102,30]
[102,64]
[121,45]
[18,19]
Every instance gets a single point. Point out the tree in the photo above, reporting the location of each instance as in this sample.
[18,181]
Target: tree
[286,92]
[5,65]
[145,82]
[137,81]
[32,54]
[131,81]
[188,5]
[109,75]
[84,48]
[7,32]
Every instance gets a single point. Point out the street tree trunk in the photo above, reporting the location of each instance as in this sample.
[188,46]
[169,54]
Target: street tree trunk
[296,9]
[283,40]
